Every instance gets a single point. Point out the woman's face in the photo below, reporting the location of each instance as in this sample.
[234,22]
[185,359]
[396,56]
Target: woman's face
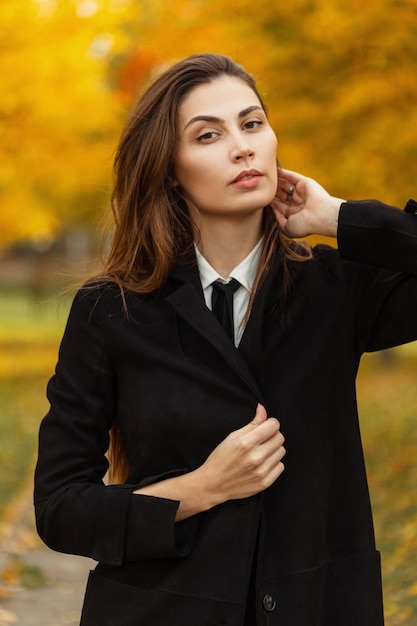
[225,161]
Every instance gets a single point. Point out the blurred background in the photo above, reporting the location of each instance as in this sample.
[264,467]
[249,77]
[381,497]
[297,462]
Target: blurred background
[340,82]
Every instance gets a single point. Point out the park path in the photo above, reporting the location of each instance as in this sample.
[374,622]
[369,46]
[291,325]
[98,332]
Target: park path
[38,587]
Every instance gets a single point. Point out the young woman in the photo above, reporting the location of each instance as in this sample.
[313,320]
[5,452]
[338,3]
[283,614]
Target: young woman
[201,525]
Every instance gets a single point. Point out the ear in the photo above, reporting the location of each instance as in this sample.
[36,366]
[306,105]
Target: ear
[172,180]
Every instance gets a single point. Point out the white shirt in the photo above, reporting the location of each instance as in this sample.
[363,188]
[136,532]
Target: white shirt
[245,273]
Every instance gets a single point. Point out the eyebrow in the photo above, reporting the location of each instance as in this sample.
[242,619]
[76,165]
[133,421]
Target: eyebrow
[218,120]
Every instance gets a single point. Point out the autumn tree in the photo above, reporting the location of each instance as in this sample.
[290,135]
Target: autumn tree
[338,78]
[57,114]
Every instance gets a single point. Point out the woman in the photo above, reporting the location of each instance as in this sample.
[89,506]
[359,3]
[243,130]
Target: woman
[205,527]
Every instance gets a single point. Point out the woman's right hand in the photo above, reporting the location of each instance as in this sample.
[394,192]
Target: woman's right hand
[246,462]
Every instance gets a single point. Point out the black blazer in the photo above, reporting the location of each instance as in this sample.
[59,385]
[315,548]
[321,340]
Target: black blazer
[177,387]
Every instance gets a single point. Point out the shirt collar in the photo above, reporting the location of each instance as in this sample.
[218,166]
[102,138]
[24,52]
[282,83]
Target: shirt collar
[245,272]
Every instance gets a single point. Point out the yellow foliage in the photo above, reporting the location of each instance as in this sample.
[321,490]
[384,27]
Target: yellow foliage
[338,78]
[58,115]
[37,221]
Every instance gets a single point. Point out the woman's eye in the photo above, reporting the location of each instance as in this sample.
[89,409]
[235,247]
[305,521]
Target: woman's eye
[207,137]
[253,124]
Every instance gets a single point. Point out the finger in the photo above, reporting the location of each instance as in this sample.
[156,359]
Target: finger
[287,196]
[276,456]
[290,194]
[279,469]
[274,469]
[252,436]
[260,415]
[272,447]
[289,176]
[281,219]
[262,433]
[270,475]
[285,187]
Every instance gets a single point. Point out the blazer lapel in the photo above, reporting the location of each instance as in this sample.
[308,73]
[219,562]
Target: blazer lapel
[251,342]
[188,302]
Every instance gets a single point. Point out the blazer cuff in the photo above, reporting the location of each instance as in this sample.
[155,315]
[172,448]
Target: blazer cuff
[110,530]
[136,527]
[152,532]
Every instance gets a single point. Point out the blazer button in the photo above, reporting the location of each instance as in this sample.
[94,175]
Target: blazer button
[269,602]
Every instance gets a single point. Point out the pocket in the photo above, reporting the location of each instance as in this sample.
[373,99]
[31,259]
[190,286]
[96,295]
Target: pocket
[355,587]
[110,603]
[340,592]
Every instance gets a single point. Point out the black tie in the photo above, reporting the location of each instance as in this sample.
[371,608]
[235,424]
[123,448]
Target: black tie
[222,303]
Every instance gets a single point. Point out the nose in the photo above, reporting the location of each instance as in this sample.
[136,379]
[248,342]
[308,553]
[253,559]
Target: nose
[242,150]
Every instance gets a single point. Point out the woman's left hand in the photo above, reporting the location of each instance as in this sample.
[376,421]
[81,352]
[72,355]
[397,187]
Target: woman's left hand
[303,207]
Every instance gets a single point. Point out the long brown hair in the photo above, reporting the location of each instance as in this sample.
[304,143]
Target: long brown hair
[152,226]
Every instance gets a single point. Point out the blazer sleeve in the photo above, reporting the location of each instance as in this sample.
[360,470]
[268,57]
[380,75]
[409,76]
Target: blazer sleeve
[383,240]
[76,512]
[377,234]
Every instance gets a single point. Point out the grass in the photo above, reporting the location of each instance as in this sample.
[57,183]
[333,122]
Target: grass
[388,406]
[29,338]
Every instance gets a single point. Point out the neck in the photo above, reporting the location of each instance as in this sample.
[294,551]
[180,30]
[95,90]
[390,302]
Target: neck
[225,243]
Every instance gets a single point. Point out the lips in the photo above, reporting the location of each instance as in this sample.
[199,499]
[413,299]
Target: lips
[246,180]
[246,175]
